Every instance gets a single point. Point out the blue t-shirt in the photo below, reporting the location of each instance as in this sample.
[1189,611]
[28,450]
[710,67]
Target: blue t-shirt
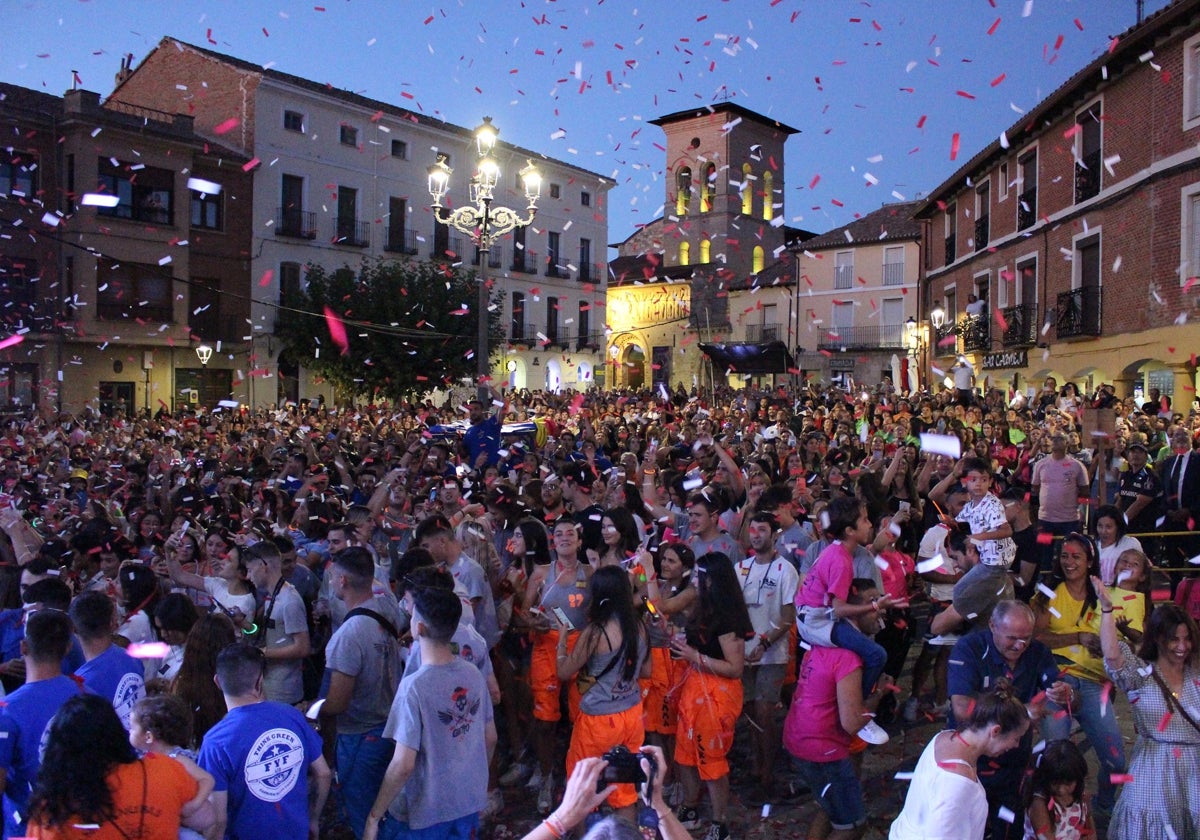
[260,755]
[117,676]
[12,632]
[483,437]
[24,718]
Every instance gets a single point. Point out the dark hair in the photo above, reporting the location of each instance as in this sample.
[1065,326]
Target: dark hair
[537,545]
[265,551]
[844,512]
[612,596]
[997,707]
[1162,625]
[358,566]
[166,717]
[857,587]
[979,465]
[1057,577]
[239,667]
[52,593]
[139,588]
[194,682]
[427,577]
[85,741]
[440,611]
[47,636]
[432,526]
[92,614]
[1060,762]
[719,599]
[626,526]
[766,517]
[705,499]
[176,612]
[1114,513]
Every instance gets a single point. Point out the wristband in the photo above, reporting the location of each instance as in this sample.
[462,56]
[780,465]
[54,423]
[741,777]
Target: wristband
[555,826]
[763,640]
[1106,611]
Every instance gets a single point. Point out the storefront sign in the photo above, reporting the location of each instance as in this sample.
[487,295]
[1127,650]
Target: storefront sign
[1007,359]
[841,364]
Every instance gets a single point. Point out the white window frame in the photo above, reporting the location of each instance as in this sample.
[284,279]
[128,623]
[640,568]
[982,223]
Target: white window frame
[838,264]
[1191,83]
[1096,233]
[1002,177]
[892,249]
[986,277]
[1077,141]
[1022,260]
[1189,225]
[1001,286]
[843,306]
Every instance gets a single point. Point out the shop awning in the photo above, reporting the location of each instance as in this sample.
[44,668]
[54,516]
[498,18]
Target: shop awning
[768,357]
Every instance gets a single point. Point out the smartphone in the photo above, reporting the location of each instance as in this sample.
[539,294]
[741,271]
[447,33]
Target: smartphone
[905,506]
[562,618]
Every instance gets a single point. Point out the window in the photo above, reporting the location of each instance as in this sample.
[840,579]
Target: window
[683,190]
[708,189]
[292,220]
[552,319]
[18,280]
[685,252]
[983,204]
[951,232]
[555,191]
[132,290]
[746,192]
[516,328]
[18,174]
[553,253]
[204,313]
[768,212]
[398,239]
[584,321]
[1027,184]
[289,283]
[1089,152]
[758,259]
[17,386]
[842,314]
[843,272]
[1191,82]
[891,322]
[585,259]
[893,266]
[585,199]
[1189,237]
[400,149]
[1077,312]
[145,194]
[520,259]
[350,231]
[1002,192]
[207,211]
[293,121]
[348,135]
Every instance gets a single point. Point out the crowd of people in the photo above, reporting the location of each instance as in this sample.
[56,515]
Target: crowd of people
[599,597]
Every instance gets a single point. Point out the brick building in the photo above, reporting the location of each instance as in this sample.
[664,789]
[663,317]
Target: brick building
[1078,230]
[112,298]
[342,178]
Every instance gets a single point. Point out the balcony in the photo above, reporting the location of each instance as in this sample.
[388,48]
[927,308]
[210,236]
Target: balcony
[873,337]
[1020,325]
[352,233]
[843,277]
[592,272]
[945,340]
[553,269]
[893,274]
[1027,208]
[448,249]
[1087,176]
[981,232]
[976,333]
[951,248]
[589,341]
[1078,312]
[401,241]
[761,333]
[296,223]
[524,263]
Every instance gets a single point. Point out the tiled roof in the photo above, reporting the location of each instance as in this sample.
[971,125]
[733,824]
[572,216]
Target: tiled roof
[889,223]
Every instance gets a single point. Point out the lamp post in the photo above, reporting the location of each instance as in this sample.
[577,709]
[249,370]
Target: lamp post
[482,222]
[204,353]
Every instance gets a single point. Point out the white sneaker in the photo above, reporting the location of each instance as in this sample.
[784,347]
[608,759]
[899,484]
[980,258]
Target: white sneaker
[545,800]
[873,733]
[945,640]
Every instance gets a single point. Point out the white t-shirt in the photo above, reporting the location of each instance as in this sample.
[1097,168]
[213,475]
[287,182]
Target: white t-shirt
[766,587]
[218,588]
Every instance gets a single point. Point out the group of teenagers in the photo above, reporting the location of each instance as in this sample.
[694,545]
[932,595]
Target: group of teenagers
[434,616]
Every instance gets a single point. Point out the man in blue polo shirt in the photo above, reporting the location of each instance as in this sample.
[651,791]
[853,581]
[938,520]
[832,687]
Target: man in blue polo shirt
[264,756]
[27,711]
[109,671]
[1005,650]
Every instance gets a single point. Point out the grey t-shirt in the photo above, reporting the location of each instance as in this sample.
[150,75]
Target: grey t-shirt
[284,682]
[466,644]
[979,590]
[362,649]
[473,578]
[612,693]
[441,712]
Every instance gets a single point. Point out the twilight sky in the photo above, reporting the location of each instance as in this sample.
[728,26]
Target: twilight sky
[878,89]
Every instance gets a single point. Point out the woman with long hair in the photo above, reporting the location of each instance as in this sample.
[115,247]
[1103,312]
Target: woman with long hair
[1161,797]
[91,775]
[194,681]
[1069,624]
[710,698]
[608,657]
[138,589]
[946,798]
[1112,539]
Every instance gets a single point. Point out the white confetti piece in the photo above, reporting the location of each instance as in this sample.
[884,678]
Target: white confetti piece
[941,444]
[1004,813]
[1046,590]
[931,565]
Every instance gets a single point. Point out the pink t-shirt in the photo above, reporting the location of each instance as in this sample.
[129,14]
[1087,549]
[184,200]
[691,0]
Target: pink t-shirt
[813,730]
[829,578]
[1060,483]
[895,573]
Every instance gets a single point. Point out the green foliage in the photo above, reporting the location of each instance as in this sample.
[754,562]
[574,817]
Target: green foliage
[404,338]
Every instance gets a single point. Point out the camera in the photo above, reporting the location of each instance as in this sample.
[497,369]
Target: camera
[625,767]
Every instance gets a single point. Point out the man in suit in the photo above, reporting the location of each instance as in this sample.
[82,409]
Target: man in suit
[1180,474]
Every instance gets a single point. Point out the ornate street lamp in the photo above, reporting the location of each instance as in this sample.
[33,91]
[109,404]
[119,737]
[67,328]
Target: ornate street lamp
[483,222]
[204,353]
[937,317]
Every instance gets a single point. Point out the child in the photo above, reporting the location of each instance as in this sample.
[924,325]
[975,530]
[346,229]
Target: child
[163,724]
[821,610]
[983,512]
[1057,810]
[1131,595]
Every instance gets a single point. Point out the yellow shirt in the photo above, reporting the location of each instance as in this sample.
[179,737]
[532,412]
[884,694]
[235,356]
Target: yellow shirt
[1069,619]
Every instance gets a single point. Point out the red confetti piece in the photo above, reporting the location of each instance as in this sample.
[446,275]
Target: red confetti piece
[954,146]
[964,94]
[227,126]
[992,29]
[1000,321]
[921,122]
[250,164]
[1165,722]
[816,179]
[1078,25]
[1045,538]
[428,21]
[265,280]
[1121,778]
[337,330]
[998,79]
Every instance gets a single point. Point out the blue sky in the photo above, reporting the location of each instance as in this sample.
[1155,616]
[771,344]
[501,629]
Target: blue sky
[877,89]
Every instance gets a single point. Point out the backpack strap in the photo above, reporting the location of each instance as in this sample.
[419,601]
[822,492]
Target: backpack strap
[388,627]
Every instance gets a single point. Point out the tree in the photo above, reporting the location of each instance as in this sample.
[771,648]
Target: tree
[409,326]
